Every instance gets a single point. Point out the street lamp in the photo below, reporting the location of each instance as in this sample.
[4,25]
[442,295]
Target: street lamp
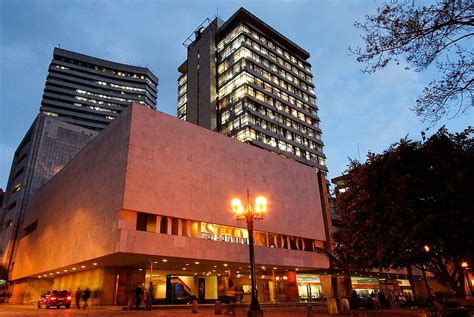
[427,249]
[249,215]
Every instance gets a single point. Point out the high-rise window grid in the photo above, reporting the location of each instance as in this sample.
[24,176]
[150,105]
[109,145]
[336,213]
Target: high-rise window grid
[182,96]
[90,92]
[266,95]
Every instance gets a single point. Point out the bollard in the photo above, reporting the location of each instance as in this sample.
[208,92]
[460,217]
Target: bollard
[362,312]
[130,303]
[217,308]
[332,306]
[345,306]
[195,307]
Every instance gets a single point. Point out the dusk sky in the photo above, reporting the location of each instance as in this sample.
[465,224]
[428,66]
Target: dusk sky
[358,112]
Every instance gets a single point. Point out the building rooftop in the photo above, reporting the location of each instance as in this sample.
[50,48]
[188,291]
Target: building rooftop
[244,15]
[105,63]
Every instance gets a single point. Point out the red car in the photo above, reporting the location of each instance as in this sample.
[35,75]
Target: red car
[56,298]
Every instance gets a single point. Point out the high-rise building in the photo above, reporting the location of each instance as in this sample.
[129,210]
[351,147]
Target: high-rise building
[90,92]
[82,95]
[246,80]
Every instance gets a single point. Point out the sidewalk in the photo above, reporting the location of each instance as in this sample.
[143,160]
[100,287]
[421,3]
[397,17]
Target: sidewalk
[185,311]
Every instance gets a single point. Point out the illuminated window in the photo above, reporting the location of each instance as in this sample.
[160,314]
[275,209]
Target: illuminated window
[16,188]
[146,222]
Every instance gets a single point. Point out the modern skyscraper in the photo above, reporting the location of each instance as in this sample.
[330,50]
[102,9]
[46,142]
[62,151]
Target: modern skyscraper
[244,79]
[90,92]
[82,95]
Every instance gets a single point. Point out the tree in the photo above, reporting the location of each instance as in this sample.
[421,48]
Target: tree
[440,34]
[412,195]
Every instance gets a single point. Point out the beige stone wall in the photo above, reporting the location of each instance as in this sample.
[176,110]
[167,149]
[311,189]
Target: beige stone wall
[29,290]
[179,169]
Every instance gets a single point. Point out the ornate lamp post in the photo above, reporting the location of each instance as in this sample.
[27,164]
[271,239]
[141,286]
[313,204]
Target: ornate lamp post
[249,215]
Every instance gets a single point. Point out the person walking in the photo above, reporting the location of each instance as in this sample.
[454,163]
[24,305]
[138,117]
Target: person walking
[85,297]
[78,297]
[150,296]
[138,296]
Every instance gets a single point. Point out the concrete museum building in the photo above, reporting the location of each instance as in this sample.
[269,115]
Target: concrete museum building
[148,199]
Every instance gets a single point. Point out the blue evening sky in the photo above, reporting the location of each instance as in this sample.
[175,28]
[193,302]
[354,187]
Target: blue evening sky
[358,112]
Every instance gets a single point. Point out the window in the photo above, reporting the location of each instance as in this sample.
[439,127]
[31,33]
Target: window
[16,188]
[7,224]
[146,222]
[31,227]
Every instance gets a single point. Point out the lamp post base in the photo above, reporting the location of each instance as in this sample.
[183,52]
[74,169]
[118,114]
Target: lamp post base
[255,313]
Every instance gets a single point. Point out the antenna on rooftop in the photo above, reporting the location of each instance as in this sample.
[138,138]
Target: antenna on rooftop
[59,45]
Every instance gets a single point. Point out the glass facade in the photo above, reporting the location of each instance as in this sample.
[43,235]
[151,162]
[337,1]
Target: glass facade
[265,96]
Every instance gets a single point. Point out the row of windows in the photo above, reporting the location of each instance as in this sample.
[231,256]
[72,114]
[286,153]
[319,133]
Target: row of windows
[182,111]
[274,115]
[93,85]
[103,83]
[238,42]
[246,53]
[249,134]
[215,232]
[247,118]
[100,109]
[85,92]
[243,64]
[183,79]
[182,89]
[276,48]
[234,94]
[105,69]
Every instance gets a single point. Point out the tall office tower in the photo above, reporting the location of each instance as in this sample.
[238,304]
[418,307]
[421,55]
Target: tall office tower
[82,96]
[244,79]
[90,92]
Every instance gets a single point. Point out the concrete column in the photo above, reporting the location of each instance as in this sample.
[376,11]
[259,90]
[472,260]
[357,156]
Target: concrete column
[291,287]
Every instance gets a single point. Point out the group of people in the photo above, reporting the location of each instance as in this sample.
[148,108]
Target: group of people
[374,300]
[84,296]
[145,294]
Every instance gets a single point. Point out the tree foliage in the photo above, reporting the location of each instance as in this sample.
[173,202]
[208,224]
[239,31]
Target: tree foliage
[440,34]
[414,194]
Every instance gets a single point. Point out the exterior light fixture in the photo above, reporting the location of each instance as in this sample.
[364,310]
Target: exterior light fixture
[83,266]
[249,215]
[95,263]
[225,264]
[164,260]
[73,268]
[196,263]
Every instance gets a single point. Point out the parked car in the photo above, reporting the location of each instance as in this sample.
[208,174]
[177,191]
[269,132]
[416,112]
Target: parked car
[56,298]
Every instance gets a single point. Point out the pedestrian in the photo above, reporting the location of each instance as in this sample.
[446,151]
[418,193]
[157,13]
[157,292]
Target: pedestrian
[150,295]
[230,297]
[85,296]
[138,296]
[78,297]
